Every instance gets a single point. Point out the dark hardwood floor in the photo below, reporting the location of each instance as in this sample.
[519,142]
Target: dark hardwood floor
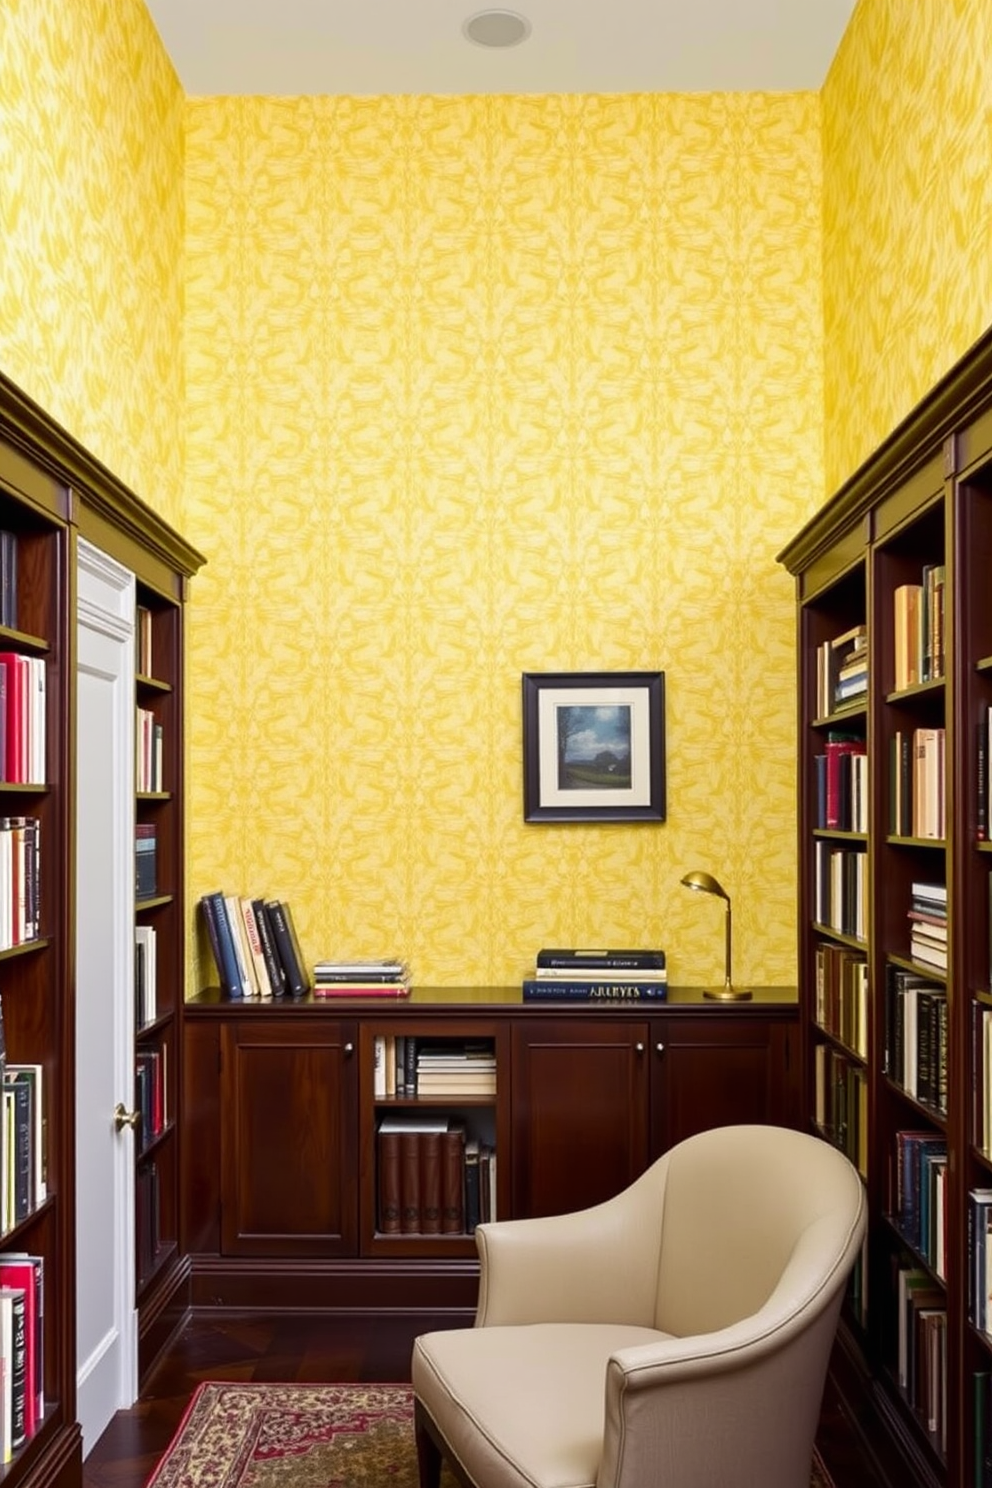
[329,1347]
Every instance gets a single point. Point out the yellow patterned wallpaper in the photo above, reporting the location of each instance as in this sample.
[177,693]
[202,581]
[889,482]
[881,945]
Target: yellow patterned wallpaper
[91,232]
[479,386]
[907,212]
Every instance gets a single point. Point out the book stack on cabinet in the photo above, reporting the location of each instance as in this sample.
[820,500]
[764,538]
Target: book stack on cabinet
[384,977]
[896,906]
[580,975]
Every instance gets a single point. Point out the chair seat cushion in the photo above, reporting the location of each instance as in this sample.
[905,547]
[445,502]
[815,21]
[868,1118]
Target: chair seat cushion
[539,1389]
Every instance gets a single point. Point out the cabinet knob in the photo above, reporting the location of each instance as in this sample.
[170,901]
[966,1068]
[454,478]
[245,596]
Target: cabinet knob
[659,1048]
[123,1117]
[349,1049]
[639,1048]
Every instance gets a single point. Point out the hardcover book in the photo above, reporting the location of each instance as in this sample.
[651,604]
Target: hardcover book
[537,989]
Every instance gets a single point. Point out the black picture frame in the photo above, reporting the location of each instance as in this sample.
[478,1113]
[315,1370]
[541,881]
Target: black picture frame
[594,746]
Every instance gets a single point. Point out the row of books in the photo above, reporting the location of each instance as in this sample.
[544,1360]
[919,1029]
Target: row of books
[255,946]
[145,975]
[918,629]
[385,977]
[430,1068]
[145,860]
[8,580]
[150,1094]
[842,671]
[841,779]
[23,685]
[578,975]
[20,880]
[915,1055]
[22,1331]
[433,1178]
[840,889]
[917,793]
[841,995]
[927,915]
[921,1343]
[149,750]
[918,1195]
[840,1103]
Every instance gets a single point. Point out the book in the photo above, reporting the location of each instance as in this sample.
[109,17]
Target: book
[214,913]
[273,965]
[232,908]
[259,967]
[32,1076]
[8,581]
[537,989]
[388,1143]
[410,1200]
[452,1180]
[355,971]
[591,973]
[361,989]
[146,877]
[430,1182]
[602,960]
[296,983]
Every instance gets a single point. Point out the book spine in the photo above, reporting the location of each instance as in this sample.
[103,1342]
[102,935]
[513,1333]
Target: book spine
[546,989]
[603,960]
[452,1181]
[273,966]
[472,1191]
[410,1066]
[430,1182]
[410,1219]
[295,981]
[219,935]
[389,1183]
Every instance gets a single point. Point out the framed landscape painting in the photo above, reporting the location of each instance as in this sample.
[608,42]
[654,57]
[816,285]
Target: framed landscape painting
[594,746]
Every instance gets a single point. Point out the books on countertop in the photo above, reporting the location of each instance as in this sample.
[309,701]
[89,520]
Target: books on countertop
[255,946]
[385,977]
[625,975]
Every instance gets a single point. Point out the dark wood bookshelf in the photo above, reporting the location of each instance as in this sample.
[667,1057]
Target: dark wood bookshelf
[916,516]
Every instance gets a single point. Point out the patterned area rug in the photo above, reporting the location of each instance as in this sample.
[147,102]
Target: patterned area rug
[302,1436]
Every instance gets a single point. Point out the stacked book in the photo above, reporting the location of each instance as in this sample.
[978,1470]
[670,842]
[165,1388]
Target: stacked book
[928,925]
[455,1069]
[383,978]
[842,671]
[597,976]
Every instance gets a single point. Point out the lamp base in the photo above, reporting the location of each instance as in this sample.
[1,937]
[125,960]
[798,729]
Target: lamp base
[728,994]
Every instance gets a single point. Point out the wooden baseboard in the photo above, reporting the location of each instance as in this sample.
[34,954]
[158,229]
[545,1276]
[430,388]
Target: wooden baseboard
[250,1284]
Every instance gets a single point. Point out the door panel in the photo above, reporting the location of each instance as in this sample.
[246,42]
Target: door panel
[580,1101]
[289,1183]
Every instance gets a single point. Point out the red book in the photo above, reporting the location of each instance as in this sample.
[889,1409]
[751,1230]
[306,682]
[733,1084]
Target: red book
[16,668]
[838,798]
[24,1273]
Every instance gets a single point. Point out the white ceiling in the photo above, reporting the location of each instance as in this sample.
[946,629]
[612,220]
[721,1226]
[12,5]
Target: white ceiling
[286,47]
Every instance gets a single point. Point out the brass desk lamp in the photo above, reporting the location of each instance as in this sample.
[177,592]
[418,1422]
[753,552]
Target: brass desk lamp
[705,883]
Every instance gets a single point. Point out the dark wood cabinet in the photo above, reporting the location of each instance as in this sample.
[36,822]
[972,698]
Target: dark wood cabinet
[720,1069]
[289,1171]
[580,1110]
[281,1187]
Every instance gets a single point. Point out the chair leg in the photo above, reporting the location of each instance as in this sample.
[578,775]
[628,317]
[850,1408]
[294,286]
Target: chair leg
[428,1449]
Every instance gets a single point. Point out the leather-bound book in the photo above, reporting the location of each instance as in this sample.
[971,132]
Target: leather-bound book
[453,1181]
[430,1182]
[410,1220]
[389,1183]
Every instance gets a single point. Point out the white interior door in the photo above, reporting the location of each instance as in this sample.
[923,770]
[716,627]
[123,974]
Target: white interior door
[106,1358]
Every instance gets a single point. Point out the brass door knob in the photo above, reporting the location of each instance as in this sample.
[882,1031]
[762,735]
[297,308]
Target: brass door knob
[123,1117]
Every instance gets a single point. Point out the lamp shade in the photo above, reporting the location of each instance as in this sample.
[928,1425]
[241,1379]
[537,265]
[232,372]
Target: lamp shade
[705,883]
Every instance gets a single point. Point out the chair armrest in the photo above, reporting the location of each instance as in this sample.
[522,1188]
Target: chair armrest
[697,1411]
[597,1265]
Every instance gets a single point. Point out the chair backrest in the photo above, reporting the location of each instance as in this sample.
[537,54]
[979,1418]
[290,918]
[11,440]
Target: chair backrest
[742,1205]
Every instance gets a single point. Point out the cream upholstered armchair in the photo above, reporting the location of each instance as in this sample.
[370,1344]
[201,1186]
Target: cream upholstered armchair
[676,1336]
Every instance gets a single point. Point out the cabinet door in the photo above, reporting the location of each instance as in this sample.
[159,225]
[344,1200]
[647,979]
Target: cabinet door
[288,1139]
[720,1071]
[580,1102]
